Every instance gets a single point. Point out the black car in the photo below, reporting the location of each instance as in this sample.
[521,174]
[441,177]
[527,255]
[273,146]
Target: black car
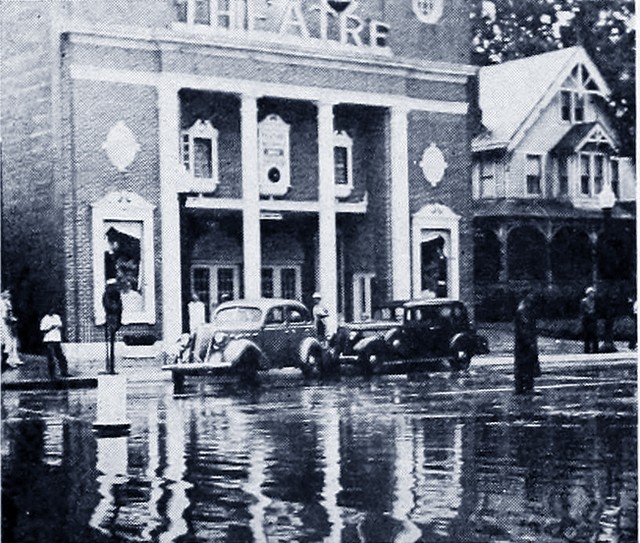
[417,330]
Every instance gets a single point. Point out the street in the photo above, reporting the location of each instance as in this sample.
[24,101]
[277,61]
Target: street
[437,458]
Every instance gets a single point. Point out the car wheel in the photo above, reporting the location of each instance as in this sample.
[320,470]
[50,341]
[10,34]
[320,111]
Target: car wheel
[312,365]
[372,361]
[461,360]
[248,367]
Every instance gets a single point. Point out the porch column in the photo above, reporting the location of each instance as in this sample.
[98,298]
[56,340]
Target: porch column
[400,228]
[327,265]
[593,237]
[502,233]
[251,245]
[169,128]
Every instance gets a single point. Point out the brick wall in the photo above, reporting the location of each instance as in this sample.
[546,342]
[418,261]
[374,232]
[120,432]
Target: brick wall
[32,253]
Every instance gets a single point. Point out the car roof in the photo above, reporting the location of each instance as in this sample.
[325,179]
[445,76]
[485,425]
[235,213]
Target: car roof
[259,303]
[422,302]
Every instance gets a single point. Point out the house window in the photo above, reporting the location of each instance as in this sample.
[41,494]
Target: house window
[282,282]
[199,154]
[598,173]
[585,175]
[615,177]
[202,12]
[362,282]
[181,7]
[572,106]
[563,176]
[487,179]
[534,174]
[342,164]
[215,284]
[592,173]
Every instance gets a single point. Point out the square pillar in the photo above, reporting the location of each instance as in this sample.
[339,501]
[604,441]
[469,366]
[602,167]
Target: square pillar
[327,266]
[169,129]
[400,227]
[250,198]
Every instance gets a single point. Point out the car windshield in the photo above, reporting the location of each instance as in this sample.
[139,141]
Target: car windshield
[238,315]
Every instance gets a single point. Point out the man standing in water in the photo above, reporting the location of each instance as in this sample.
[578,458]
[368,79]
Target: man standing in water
[526,365]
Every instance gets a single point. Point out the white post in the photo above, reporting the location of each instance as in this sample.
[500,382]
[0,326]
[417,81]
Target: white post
[251,244]
[111,410]
[327,266]
[169,113]
[400,230]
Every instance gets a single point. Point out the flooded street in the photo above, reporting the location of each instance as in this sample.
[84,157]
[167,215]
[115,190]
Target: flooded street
[438,459]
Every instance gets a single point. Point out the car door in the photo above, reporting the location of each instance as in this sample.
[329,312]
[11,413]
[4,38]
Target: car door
[275,336]
[300,326]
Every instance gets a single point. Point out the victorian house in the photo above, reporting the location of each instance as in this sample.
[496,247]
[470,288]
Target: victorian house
[554,201]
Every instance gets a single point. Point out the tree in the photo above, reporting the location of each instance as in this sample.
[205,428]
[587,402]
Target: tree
[509,29]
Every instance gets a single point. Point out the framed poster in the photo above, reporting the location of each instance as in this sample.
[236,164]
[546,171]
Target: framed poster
[123,252]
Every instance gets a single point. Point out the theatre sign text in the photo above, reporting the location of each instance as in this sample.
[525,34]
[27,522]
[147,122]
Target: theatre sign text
[321,21]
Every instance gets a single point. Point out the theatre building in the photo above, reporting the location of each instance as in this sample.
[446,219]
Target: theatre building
[234,149]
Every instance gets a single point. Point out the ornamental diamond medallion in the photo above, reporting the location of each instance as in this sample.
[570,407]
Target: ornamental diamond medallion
[433,164]
[428,11]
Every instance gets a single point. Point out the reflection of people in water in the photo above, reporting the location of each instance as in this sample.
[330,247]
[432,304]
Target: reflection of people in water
[434,268]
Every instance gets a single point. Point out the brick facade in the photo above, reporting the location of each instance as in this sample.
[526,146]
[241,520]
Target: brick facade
[106,64]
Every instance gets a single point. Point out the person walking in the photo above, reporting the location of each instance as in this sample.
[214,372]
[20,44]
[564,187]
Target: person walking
[51,327]
[112,304]
[526,363]
[589,321]
[10,358]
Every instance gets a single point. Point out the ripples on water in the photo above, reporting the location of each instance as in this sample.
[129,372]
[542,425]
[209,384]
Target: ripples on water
[347,462]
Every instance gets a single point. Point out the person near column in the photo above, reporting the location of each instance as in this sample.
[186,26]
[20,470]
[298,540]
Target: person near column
[526,364]
[8,323]
[112,304]
[320,313]
[196,313]
[51,327]
[589,319]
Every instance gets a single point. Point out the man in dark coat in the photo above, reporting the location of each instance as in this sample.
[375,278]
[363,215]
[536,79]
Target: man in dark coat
[589,321]
[112,303]
[526,364]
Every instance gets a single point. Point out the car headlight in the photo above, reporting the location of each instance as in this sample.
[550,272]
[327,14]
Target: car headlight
[220,338]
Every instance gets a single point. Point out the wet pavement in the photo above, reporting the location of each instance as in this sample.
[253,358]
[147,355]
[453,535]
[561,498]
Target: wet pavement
[442,458]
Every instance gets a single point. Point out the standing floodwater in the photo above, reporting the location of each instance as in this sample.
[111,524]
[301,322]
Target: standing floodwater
[442,459]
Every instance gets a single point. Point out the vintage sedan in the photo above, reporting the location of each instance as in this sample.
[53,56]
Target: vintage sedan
[416,331]
[250,335]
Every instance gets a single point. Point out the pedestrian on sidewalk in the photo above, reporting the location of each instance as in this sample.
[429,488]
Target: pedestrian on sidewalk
[51,327]
[112,304]
[526,363]
[8,321]
[589,318]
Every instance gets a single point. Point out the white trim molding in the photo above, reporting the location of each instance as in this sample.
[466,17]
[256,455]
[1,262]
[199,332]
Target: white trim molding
[126,207]
[248,86]
[437,218]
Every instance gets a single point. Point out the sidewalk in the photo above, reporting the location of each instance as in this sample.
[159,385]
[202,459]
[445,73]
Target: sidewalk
[33,374]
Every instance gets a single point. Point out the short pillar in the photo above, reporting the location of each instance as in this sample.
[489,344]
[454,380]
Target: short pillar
[111,412]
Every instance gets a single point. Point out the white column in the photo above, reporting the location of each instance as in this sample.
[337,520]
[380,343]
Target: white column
[250,198]
[169,114]
[400,239]
[327,265]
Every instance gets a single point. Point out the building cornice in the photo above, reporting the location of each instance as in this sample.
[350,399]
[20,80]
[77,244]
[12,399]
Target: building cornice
[304,53]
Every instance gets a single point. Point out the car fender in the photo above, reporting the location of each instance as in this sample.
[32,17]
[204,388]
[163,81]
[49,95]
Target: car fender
[462,342]
[306,345]
[372,342]
[237,348]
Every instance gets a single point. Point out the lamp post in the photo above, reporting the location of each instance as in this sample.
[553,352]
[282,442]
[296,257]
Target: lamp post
[607,199]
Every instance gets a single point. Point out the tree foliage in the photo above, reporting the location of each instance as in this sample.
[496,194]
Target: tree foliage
[508,29]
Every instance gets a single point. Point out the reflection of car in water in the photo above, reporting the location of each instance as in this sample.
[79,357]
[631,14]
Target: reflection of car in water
[246,336]
[418,330]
